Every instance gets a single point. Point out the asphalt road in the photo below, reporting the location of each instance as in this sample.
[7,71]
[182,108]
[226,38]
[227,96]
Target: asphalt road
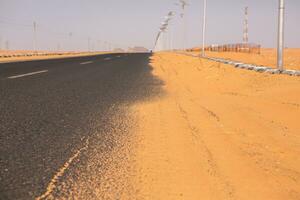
[53,110]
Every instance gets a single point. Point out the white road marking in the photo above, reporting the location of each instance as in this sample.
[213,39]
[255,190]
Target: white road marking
[118,56]
[85,63]
[27,74]
[107,58]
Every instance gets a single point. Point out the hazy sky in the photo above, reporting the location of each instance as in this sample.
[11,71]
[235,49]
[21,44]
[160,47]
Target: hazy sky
[67,24]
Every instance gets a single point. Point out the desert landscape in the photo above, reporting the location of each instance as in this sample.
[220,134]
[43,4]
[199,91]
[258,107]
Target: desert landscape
[117,100]
[216,132]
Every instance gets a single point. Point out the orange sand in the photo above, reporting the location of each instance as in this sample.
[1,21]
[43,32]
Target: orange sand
[218,133]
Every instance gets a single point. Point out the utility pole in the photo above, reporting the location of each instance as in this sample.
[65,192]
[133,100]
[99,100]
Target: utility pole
[171,37]
[70,37]
[34,37]
[183,4]
[93,47]
[204,27]
[280,45]
[246,27]
[105,46]
[7,45]
[184,28]
[89,44]
[184,21]
[98,45]
[109,46]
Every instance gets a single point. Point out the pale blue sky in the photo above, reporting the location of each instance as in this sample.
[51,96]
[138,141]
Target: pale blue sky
[136,22]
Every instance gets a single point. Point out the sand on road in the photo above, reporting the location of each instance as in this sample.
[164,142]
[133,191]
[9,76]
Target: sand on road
[215,133]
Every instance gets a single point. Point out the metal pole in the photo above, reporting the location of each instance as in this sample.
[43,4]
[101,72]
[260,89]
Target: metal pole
[204,28]
[171,38]
[70,37]
[184,29]
[246,27]
[34,32]
[109,46]
[58,47]
[89,44]
[98,45]
[7,45]
[280,47]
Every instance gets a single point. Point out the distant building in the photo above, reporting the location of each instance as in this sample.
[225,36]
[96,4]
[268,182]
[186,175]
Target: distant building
[138,49]
[119,50]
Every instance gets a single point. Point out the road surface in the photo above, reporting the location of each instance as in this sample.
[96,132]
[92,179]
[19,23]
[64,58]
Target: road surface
[143,126]
[52,110]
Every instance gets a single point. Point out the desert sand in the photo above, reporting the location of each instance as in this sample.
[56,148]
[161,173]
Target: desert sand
[218,133]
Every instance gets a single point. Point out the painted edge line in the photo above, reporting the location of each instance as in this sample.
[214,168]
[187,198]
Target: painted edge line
[85,63]
[27,74]
[55,179]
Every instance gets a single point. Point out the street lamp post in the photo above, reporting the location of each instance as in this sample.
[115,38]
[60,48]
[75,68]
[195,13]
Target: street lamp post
[280,47]
[89,44]
[34,37]
[204,28]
